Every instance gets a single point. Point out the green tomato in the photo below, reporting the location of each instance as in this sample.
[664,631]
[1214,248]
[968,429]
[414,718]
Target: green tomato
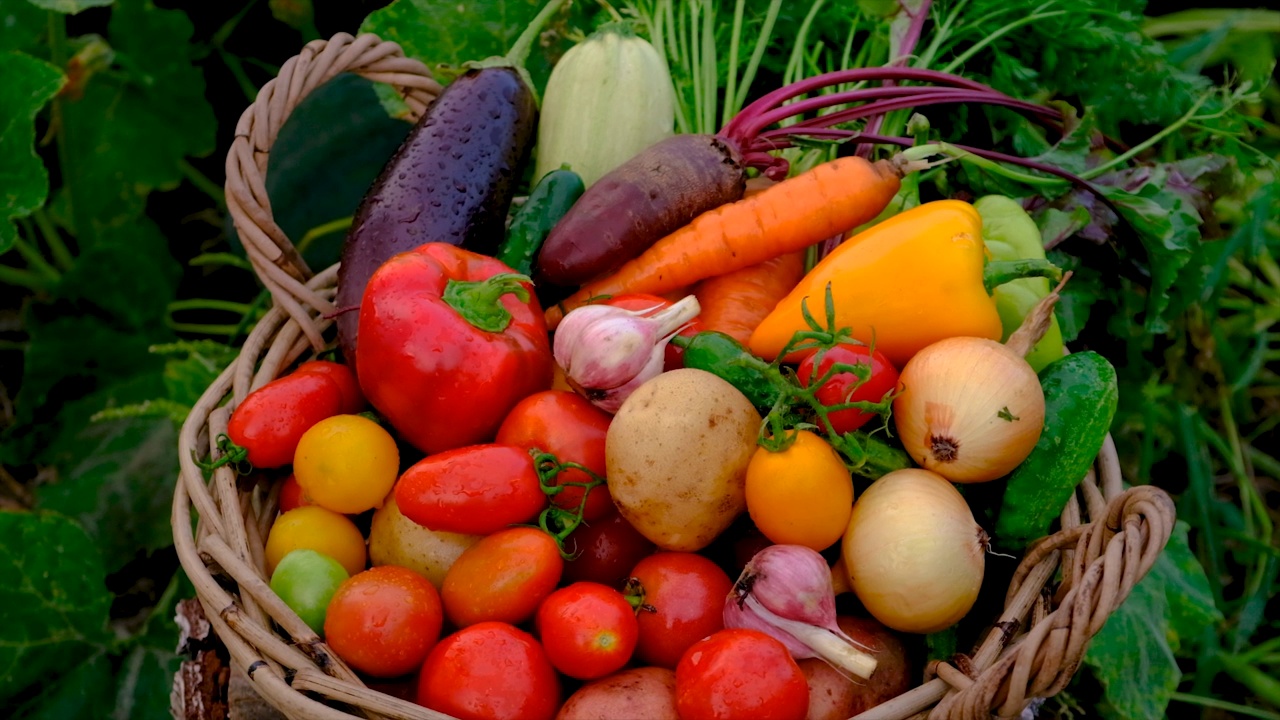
[306,580]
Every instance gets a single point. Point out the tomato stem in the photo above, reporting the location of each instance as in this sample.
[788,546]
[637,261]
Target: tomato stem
[556,521]
[232,454]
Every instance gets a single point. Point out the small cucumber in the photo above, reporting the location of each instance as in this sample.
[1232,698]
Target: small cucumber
[549,200]
[721,355]
[1080,395]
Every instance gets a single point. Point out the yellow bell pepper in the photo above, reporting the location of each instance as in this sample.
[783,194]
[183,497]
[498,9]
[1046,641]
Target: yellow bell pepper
[919,277]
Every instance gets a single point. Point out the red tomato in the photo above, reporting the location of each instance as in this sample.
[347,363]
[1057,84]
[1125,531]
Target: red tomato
[588,630]
[490,671]
[674,358]
[450,341]
[605,551]
[840,388]
[739,673]
[568,426]
[384,621]
[504,577]
[274,417]
[686,592]
[291,495]
[353,400]
[475,490]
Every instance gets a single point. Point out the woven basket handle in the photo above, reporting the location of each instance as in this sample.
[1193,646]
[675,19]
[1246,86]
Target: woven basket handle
[275,260]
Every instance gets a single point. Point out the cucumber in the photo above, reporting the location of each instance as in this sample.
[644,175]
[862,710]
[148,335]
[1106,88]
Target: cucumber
[549,200]
[1080,396]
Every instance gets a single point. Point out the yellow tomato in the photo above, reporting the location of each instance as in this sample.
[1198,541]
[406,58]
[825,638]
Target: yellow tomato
[315,528]
[346,463]
[802,495]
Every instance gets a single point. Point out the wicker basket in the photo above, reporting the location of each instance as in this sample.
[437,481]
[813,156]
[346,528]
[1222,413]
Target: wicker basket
[1062,593]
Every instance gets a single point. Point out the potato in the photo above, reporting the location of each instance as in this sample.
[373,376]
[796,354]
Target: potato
[646,693]
[677,454]
[396,540]
[834,697]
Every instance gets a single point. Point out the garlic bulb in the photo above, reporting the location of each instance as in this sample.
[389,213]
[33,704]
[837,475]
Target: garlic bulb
[607,352]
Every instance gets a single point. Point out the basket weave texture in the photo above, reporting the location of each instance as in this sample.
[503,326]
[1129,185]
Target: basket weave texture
[1062,593]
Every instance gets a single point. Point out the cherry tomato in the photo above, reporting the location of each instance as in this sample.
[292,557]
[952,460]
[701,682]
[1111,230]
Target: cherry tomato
[319,529]
[504,577]
[475,490]
[348,386]
[291,494]
[568,426]
[686,592]
[306,580]
[674,358]
[840,387]
[384,621]
[739,673]
[802,495]
[605,551]
[490,671]
[347,463]
[271,420]
[588,630]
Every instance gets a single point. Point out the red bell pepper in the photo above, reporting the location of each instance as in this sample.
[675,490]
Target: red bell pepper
[450,341]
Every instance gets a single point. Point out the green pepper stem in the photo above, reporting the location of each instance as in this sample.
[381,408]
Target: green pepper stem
[999,272]
[480,302]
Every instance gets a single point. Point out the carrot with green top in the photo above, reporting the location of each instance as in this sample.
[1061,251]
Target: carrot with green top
[828,200]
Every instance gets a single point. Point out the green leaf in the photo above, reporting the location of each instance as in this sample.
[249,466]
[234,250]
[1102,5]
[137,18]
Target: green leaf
[297,14]
[69,356]
[326,157]
[82,691]
[24,183]
[133,680]
[1133,655]
[22,26]
[53,590]
[1186,586]
[134,125]
[1169,228]
[130,276]
[1076,299]
[191,367]
[69,7]
[445,34]
[117,469]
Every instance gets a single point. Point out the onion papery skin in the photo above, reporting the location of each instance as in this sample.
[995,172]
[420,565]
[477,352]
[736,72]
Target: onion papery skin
[970,409]
[914,553]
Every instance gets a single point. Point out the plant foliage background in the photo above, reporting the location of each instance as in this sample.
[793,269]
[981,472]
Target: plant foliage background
[123,291]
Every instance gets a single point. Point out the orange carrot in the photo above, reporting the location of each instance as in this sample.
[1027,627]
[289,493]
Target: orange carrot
[735,303]
[792,215]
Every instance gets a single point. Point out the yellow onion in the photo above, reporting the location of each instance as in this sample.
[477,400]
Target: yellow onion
[970,409]
[914,554]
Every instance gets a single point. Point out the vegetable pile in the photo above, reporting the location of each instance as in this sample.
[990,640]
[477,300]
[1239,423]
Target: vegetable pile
[708,425]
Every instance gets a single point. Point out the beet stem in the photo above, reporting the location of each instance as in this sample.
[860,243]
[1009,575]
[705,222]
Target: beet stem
[838,77]
[919,97]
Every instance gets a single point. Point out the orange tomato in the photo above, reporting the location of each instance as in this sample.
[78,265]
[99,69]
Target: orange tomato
[802,495]
[503,577]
